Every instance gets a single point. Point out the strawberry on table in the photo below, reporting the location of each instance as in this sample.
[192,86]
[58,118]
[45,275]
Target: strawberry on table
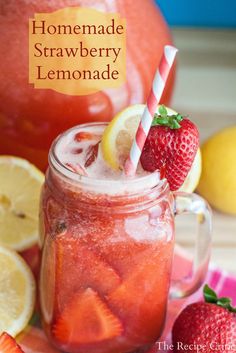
[207,327]
[8,344]
[170,147]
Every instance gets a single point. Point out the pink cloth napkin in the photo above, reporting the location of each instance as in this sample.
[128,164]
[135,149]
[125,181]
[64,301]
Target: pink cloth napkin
[33,340]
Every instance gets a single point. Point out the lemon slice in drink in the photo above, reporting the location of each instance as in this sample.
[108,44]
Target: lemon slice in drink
[17,292]
[194,174]
[118,137]
[20,185]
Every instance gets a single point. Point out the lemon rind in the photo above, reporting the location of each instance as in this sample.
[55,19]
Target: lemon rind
[19,324]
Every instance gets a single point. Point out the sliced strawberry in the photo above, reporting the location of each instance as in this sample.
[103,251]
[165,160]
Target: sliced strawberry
[31,256]
[85,136]
[124,255]
[47,279]
[8,344]
[140,300]
[77,150]
[87,319]
[87,269]
[35,341]
[77,168]
[91,155]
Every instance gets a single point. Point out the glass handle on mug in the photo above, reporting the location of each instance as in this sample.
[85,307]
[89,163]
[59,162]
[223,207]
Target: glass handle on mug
[193,204]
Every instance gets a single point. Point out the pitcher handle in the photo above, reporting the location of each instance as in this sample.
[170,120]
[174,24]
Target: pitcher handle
[193,204]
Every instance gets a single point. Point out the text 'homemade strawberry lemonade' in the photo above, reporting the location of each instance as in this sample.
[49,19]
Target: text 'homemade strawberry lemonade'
[107,246]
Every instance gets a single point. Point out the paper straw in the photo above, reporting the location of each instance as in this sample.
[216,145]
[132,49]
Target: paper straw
[150,109]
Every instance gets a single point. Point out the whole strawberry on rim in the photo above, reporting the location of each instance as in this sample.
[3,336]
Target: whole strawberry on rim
[170,147]
[206,327]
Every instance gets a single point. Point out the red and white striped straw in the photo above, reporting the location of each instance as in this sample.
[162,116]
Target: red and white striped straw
[150,109]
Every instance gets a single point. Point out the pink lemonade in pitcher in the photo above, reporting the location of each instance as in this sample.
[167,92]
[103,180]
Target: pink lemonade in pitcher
[107,246]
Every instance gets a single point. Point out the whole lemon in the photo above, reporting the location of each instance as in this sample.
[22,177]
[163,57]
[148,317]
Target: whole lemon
[218,180]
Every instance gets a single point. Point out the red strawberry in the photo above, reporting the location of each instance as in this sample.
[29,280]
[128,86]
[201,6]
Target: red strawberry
[77,168]
[87,319]
[77,150]
[85,136]
[208,327]
[91,155]
[171,146]
[8,344]
[31,256]
[89,268]
[134,300]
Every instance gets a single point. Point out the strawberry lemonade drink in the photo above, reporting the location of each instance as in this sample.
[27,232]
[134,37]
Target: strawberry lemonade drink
[107,247]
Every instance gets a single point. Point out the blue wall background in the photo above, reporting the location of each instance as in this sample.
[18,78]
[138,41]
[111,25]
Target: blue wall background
[200,13]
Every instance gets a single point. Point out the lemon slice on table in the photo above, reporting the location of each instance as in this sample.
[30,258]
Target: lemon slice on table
[17,292]
[118,137]
[20,185]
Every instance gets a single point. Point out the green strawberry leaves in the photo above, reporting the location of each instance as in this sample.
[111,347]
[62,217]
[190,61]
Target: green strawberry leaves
[162,111]
[162,118]
[211,297]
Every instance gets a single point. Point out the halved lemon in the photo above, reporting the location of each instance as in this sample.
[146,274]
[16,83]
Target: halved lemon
[20,185]
[17,292]
[118,137]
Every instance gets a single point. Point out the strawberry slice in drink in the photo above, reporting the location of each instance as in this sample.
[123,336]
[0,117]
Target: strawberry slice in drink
[140,300]
[77,150]
[86,136]
[91,155]
[86,319]
[8,344]
[89,269]
[77,168]
[47,280]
